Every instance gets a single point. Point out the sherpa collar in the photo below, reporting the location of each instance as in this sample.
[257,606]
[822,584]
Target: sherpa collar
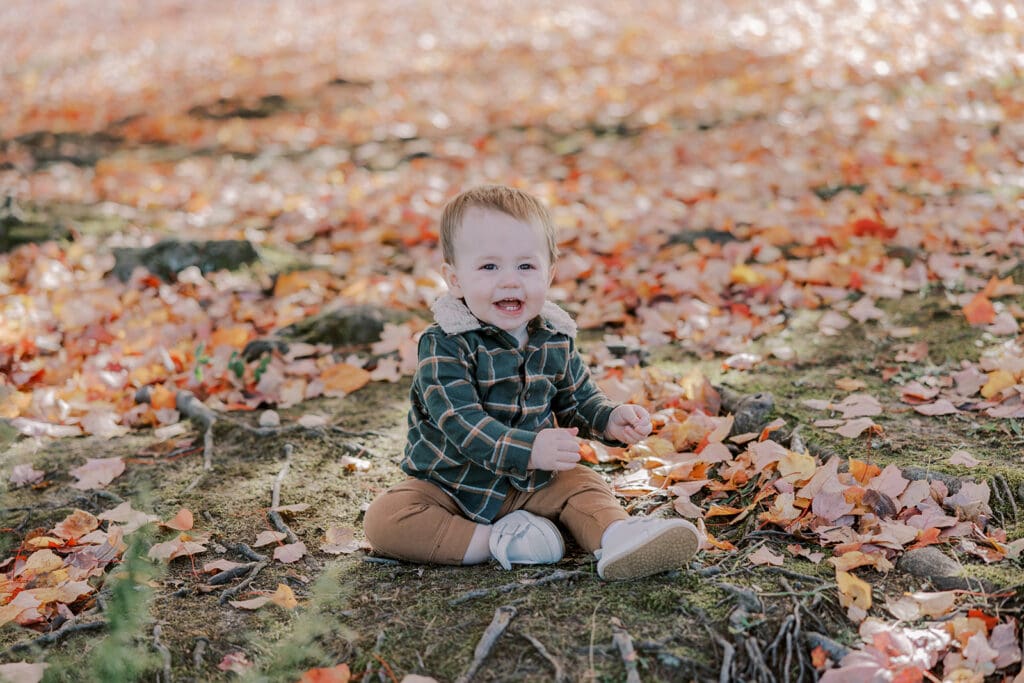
[454,317]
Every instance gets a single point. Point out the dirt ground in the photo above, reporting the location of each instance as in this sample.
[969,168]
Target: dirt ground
[387,620]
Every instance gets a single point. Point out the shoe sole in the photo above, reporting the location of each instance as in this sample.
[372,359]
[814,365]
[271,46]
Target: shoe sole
[670,549]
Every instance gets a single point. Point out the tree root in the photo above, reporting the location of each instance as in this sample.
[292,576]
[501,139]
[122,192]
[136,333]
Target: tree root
[235,590]
[69,627]
[165,654]
[552,660]
[502,617]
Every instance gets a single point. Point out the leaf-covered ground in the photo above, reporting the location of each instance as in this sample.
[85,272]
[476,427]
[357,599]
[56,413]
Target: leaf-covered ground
[817,202]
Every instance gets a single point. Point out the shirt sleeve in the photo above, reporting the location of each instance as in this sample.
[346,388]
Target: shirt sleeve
[451,399]
[579,403]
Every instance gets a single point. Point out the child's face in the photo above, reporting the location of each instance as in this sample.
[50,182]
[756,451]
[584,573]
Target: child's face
[501,269]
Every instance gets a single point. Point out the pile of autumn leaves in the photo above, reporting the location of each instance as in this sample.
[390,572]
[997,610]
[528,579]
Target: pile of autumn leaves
[864,515]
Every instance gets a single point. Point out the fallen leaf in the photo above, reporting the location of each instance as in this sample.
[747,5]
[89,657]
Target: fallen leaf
[284,597]
[124,514]
[236,662]
[340,540]
[250,604]
[853,591]
[334,674]
[22,672]
[913,606]
[97,472]
[221,565]
[75,525]
[854,428]
[183,521]
[979,311]
[940,407]
[850,384]
[179,547]
[343,378]
[962,457]
[25,474]
[765,556]
[267,537]
[290,552]
[351,464]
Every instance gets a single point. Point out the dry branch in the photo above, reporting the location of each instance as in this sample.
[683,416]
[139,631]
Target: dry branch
[235,590]
[539,647]
[502,617]
[275,498]
[557,575]
[165,654]
[69,627]
[622,641]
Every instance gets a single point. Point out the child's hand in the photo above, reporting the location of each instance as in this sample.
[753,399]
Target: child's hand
[628,423]
[555,449]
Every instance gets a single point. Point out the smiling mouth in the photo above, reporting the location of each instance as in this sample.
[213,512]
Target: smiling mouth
[509,305]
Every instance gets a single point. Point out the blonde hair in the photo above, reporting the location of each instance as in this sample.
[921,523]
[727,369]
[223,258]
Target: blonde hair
[508,200]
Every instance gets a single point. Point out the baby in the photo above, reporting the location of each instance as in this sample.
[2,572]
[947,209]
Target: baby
[500,401]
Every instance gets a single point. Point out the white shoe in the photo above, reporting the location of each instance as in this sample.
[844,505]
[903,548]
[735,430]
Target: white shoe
[642,546]
[525,538]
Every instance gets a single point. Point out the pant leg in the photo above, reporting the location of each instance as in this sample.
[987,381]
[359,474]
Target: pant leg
[579,499]
[418,522]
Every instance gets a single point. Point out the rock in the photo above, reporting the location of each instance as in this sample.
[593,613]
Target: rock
[690,237]
[750,411]
[928,563]
[916,473]
[339,327]
[167,258]
[18,227]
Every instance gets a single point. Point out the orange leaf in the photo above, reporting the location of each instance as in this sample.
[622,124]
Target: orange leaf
[926,537]
[344,377]
[911,674]
[182,521]
[334,674]
[990,621]
[300,280]
[161,397]
[722,511]
[863,471]
[819,658]
[76,525]
[236,336]
[588,454]
[980,310]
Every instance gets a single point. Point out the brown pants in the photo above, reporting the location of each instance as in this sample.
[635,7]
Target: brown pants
[418,522]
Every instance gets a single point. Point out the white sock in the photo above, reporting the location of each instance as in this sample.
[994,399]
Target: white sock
[607,536]
[479,549]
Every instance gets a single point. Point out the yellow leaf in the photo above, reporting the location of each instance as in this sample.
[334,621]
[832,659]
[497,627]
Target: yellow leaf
[853,591]
[796,467]
[284,597]
[745,275]
[997,381]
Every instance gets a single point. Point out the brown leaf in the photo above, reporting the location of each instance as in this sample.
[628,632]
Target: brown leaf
[97,473]
[284,597]
[343,378]
[183,521]
[25,474]
[179,547]
[75,525]
[765,556]
[290,552]
[23,672]
[267,537]
[251,604]
[341,674]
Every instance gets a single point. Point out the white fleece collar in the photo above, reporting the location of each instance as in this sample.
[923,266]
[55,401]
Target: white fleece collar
[454,317]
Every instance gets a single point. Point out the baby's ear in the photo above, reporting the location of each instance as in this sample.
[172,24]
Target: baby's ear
[448,273]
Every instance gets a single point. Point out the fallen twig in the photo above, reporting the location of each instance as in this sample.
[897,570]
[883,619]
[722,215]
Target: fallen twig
[557,575]
[69,627]
[728,652]
[539,647]
[621,640]
[235,590]
[275,498]
[380,560]
[248,553]
[502,617]
[165,654]
[198,652]
[228,574]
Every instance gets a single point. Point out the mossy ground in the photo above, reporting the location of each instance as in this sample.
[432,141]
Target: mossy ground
[397,619]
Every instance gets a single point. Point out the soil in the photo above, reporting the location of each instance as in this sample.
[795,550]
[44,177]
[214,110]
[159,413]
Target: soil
[387,619]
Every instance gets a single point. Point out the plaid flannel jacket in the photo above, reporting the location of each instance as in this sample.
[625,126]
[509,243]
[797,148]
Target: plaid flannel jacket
[478,401]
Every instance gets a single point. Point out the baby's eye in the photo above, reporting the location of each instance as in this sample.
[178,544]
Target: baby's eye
[488,266]
[525,266]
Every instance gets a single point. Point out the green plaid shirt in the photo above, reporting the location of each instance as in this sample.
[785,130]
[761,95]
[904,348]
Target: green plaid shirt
[478,401]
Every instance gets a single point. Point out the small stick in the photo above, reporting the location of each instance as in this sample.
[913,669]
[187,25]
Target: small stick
[557,575]
[165,654]
[235,590]
[728,652]
[275,498]
[227,575]
[382,560]
[539,646]
[502,616]
[198,652]
[69,627]
[621,640]
[191,407]
[247,552]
